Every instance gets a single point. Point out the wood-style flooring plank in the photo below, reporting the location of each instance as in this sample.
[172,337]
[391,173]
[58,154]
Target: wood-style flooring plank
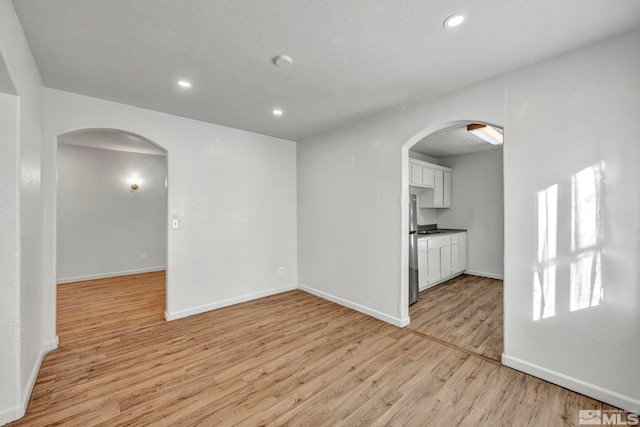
[288,359]
[465,311]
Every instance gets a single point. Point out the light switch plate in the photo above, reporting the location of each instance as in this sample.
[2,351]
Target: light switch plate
[175,223]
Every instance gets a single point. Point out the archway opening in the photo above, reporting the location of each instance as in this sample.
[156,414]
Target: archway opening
[111,234]
[454,261]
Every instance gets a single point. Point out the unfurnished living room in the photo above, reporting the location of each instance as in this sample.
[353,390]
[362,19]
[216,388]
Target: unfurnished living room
[319,213]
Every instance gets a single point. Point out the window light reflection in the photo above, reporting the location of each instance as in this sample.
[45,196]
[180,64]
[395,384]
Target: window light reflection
[586,267]
[544,280]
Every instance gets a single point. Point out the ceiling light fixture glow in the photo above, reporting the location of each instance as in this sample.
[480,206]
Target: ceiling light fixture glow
[184,84]
[454,20]
[277,112]
[487,133]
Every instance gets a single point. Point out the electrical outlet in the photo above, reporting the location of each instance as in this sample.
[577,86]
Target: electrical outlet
[281,271]
[143,256]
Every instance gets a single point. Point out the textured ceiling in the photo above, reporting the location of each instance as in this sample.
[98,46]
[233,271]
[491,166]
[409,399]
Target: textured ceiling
[351,58]
[452,141]
[110,140]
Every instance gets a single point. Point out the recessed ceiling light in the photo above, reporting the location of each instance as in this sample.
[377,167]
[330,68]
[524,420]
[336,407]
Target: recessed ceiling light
[277,112]
[454,20]
[184,83]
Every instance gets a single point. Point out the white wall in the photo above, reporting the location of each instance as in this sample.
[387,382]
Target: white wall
[234,193]
[426,216]
[563,117]
[423,157]
[9,260]
[352,196]
[22,344]
[559,117]
[478,205]
[103,225]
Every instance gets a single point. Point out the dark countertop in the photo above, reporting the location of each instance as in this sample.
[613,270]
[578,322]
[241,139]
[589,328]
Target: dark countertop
[440,232]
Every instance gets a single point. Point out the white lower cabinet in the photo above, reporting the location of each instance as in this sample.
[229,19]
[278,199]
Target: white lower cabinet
[463,251]
[422,263]
[441,258]
[455,257]
[433,266]
[445,261]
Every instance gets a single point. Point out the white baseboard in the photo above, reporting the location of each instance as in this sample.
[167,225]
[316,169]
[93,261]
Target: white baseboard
[431,285]
[20,409]
[7,415]
[483,274]
[224,303]
[396,321]
[604,395]
[52,345]
[112,274]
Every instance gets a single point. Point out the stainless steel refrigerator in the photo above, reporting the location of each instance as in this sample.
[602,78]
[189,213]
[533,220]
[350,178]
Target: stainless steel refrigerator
[413,250]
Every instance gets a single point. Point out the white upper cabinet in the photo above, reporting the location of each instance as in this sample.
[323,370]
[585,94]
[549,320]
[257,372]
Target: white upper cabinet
[438,189]
[446,190]
[427,176]
[420,174]
[434,182]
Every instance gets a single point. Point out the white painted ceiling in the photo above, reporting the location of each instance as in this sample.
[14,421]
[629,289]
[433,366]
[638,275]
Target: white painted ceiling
[452,141]
[107,139]
[350,58]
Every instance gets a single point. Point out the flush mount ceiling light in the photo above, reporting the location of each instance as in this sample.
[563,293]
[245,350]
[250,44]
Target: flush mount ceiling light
[277,112]
[185,84]
[454,20]
[487,133]
[283,61]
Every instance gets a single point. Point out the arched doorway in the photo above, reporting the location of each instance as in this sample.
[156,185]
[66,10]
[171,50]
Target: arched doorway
[111,234]
[461,303]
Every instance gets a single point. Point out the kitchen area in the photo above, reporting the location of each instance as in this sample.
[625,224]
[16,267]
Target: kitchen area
[456,238]
[436,254]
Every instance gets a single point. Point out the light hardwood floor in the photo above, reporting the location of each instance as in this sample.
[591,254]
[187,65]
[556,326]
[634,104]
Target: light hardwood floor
[465,312]
[99,308]
[289,359]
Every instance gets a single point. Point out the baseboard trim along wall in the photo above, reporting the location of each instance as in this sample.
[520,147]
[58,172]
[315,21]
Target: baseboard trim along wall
[225,303]
[20,409]
[8,415]
[604,395]
[396,321]
[483,274]
[106,275]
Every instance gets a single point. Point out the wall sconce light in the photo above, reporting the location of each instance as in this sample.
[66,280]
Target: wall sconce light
[135,186]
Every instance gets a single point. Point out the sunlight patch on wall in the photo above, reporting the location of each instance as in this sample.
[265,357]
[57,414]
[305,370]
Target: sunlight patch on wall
[586,238]
[586,283]
[544,279]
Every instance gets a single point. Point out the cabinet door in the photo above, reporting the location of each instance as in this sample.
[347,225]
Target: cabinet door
[447,190]
[433,265]
[438,190]
[445,261]
[416,174]
[463,255]
[423,268]
[455,258]
[427,177]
